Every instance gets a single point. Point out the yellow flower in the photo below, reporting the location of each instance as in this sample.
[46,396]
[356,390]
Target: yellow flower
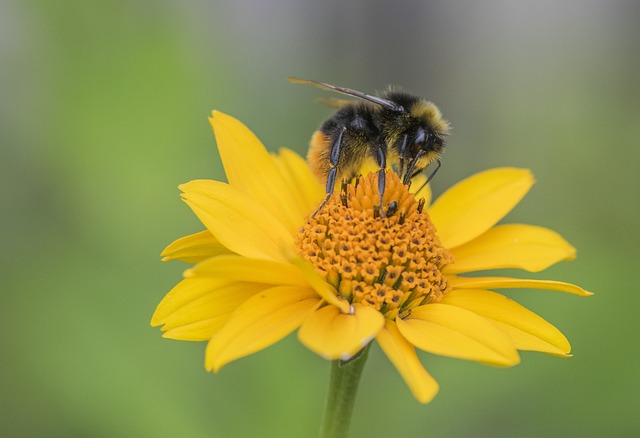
[264,267]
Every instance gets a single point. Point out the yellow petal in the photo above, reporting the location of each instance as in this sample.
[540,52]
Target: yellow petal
[403,356]
[194,248]
[220,272]
[238,222]
[305,187]
[197,331]
[260,321]
[218,303]
[188,290]
[508,283]
[475,204]
[251,170]
[236,268]
[451,331]
[336,335]
[527,330]
[324,289]
[525,247]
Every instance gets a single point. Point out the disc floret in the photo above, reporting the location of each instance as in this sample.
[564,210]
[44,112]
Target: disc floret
[389,258]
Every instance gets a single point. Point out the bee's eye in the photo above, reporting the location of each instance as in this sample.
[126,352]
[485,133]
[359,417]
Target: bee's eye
[420,136]
[435,140]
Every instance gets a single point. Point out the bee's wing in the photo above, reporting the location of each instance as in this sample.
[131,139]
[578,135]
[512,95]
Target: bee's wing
[332,102]
[375,99]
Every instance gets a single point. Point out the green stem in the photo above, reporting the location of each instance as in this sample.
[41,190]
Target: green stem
[343,386]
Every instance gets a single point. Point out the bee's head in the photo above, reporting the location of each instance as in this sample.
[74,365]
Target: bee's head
[419,124]
[423,138]
[419,137]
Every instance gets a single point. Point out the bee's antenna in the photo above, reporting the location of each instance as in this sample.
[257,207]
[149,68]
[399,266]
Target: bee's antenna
[439,163]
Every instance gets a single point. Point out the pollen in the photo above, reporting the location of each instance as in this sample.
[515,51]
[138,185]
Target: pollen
[386,257]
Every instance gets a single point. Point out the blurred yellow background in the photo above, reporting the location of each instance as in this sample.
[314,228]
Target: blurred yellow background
[103,112]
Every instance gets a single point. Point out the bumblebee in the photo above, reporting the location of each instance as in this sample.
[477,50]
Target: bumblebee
[395,128]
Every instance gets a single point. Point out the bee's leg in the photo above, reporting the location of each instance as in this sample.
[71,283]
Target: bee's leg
[381,158]
[334,157]
[403,154]
[412,165]
[381,185]
[331,182]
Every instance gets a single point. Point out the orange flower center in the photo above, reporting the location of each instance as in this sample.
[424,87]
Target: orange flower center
[390,259]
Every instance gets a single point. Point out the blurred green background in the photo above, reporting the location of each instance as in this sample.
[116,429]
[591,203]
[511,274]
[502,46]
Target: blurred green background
[103,112]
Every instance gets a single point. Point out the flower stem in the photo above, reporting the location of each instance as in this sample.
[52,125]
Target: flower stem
[343,386]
